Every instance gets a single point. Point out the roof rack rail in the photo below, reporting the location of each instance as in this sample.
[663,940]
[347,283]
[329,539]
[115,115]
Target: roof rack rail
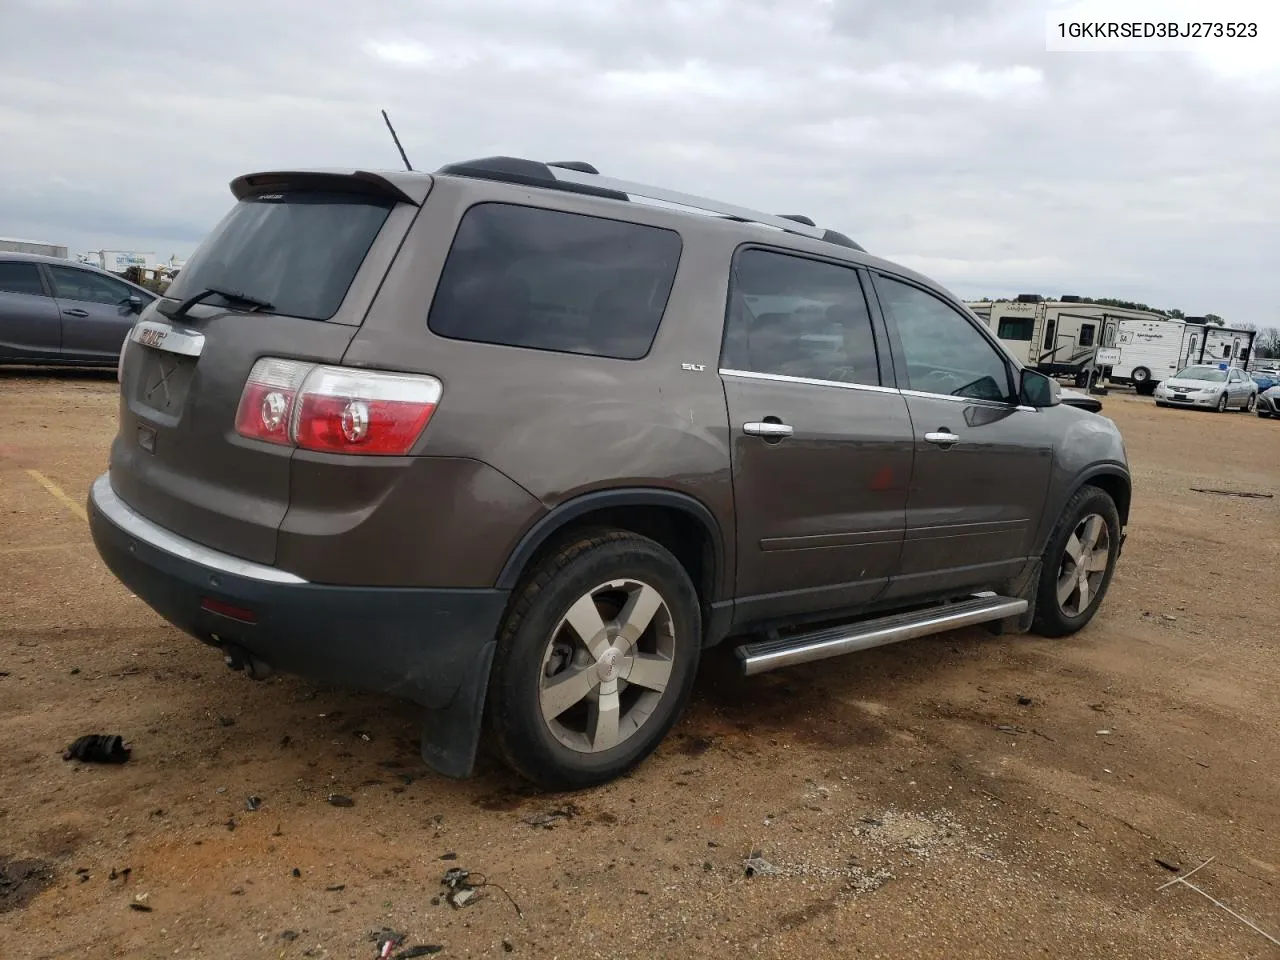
[576,176]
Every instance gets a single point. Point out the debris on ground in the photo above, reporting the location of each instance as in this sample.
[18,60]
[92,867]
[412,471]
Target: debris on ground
[338,800]
[252,803]
[387,940]
[1024,701]
[335,888]
[547,821]
[226,721]
[1248,494]
[98,748]
[296,872]
[758,866]
[448,856]
[420,950]
[289,935]
[140,907]
[464,887]
[121,874]
[1170,865]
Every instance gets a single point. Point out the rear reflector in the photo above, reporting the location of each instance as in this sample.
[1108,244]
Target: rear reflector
[228,610]
[336,409]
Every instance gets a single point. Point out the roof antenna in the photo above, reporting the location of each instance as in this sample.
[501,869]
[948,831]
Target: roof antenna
[403,157]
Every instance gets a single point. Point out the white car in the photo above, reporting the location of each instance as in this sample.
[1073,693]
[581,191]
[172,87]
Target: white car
[1208,385]
[1269,403]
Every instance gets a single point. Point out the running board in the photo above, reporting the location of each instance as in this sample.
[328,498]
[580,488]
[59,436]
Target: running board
[851,637]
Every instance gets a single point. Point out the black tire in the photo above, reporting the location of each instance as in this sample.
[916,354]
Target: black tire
[1262,415]
[1222,404]
[1144,389]
[1050,618]
[579,568]
[1141,376]
[1248,406]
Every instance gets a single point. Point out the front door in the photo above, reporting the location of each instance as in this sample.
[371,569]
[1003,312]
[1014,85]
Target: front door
[96,314]
[822,448]
[983,462]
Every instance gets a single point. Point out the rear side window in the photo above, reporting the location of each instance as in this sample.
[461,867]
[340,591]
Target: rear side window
[72,284]
[794,317]
[297,252]
[20,278]
[548,280]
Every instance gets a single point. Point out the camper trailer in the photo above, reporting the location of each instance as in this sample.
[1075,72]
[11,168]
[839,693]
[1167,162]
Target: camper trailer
[1147,351]
[1058,337]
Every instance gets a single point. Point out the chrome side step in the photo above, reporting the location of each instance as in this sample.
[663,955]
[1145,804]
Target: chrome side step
[851,637]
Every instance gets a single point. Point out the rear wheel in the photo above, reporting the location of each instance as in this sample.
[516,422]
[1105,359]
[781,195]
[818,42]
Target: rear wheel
[1078,563]
[595,662]
[1248,407]
[1222,403]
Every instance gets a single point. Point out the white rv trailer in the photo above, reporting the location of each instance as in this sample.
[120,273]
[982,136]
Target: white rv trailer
[1148,351]
[1057,337]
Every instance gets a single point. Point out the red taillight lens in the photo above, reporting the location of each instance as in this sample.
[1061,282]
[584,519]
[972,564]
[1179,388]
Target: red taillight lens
[336,409]
[266,405]
[363,411]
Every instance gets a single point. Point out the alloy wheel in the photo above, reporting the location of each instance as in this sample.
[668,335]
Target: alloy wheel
[607,665]
[1083,565]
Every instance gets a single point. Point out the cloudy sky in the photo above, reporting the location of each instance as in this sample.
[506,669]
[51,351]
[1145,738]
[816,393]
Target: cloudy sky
[938,133]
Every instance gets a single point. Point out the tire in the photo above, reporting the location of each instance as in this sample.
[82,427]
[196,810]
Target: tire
[1222,404]
[1263,415]
[1144,389]
[607,570]
[1248,407]
[1141,377]
[1055,617]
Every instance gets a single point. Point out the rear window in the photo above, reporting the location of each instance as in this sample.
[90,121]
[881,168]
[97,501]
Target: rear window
[548,280]
[297,252]
[18,277]
[1016,328]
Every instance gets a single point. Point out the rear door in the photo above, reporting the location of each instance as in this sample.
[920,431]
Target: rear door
[29,325]
[821,440]
[312,248]
[96,313]
[982,462]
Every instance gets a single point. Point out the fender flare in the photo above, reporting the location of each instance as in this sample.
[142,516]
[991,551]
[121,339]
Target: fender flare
[579,506]
[1105,469]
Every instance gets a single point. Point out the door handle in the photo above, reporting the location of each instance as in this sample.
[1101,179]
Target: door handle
[75,312]
[942,437]
[769,429]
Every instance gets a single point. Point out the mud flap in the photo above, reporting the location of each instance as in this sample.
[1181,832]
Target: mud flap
[1026,586]
[451,735]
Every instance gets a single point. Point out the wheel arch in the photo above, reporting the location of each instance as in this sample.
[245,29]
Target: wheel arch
[1111,478]
[681,523]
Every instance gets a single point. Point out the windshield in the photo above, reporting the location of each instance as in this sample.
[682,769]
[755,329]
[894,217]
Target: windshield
[295,252]
[1210,374]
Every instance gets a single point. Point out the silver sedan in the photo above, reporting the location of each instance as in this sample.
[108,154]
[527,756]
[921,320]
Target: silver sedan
[1208,386]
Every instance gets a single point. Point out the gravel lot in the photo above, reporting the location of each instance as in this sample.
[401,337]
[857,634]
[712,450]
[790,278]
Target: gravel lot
[910,805]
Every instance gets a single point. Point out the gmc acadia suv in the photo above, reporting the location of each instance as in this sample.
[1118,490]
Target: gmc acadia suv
[518,442]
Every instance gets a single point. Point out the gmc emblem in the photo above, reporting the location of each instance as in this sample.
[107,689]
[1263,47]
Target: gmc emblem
[149,337]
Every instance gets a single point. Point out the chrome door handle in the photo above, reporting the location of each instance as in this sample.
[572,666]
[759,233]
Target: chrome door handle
[770,431]
[76,312]
[943,438]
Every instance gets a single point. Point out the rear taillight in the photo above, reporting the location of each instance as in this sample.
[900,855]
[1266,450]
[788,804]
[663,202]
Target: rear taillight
[336,409]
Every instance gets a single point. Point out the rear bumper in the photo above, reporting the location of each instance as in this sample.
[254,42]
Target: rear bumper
[414,643]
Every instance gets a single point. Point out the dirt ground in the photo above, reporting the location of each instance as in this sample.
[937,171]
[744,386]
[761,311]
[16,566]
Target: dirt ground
[911,805]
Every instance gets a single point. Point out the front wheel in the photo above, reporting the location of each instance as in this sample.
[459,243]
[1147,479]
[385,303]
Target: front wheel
[1078,563]
[595,662]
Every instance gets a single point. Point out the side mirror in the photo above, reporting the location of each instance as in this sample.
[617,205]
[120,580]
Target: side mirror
[135,303]
[1037,390]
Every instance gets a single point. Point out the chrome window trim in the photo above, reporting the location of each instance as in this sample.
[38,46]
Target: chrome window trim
[807,381]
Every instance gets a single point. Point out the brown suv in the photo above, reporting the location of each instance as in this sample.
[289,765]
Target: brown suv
[518,442]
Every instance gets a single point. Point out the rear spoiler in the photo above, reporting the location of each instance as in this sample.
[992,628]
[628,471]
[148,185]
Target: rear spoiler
[400,186]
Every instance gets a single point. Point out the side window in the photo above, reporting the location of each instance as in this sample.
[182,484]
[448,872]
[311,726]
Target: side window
[547,280]
[18,277]
[1087,332]
[1050,328]
[790,316]
[944,352]
[72,284]
[1016,328]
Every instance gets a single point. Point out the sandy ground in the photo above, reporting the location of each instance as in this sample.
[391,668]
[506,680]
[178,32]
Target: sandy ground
[911,806]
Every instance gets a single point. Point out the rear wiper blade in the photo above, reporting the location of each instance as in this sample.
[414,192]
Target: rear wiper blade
[231,296]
